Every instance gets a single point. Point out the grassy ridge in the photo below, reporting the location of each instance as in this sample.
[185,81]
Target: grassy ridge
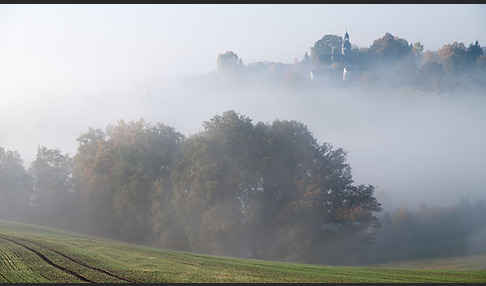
[103,260]
[472,262]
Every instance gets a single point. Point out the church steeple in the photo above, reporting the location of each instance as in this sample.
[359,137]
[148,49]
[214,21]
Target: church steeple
[346,48]
[346,52]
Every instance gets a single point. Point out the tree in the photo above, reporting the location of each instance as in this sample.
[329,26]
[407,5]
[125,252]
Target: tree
[15,185]
[263,189]
[229,61]
[92,165]
[473,52]
[119,170]
[454,57]
[52,184]
[431,231]
[326,49]
[213,174]
[390,48]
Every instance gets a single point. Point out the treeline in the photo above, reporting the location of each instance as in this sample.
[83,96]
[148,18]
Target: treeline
[389,61]
[235,188]
[431,231]
[264,190]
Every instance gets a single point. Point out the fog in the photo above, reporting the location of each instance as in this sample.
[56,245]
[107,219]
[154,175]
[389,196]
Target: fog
[415,145]
[63,73]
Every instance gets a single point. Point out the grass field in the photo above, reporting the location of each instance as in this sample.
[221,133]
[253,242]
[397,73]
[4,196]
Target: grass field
[37,254]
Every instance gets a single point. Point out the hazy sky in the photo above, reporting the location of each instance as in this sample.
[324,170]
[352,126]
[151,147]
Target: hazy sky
[44,46]
[49,53]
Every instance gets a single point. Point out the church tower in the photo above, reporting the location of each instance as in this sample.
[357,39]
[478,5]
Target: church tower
[346,53]
[346,48]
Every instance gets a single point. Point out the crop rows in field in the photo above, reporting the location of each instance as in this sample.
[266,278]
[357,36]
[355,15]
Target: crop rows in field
[73,270]
[17,265]
[35,254]
[76,263]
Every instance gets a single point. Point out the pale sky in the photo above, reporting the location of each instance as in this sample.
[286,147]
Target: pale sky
[56,46]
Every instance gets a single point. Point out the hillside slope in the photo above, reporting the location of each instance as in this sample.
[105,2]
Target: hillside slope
[472,262]
[37,254]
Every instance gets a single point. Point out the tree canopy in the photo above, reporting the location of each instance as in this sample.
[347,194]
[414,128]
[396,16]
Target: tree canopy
[326,48]
[267,190]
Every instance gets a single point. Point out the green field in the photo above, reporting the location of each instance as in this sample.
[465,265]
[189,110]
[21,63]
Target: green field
[37,254]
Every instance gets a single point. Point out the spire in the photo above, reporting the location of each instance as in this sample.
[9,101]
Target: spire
[346,47]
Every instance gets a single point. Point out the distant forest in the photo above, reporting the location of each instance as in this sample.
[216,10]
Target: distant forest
[389,61]
[236,188]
